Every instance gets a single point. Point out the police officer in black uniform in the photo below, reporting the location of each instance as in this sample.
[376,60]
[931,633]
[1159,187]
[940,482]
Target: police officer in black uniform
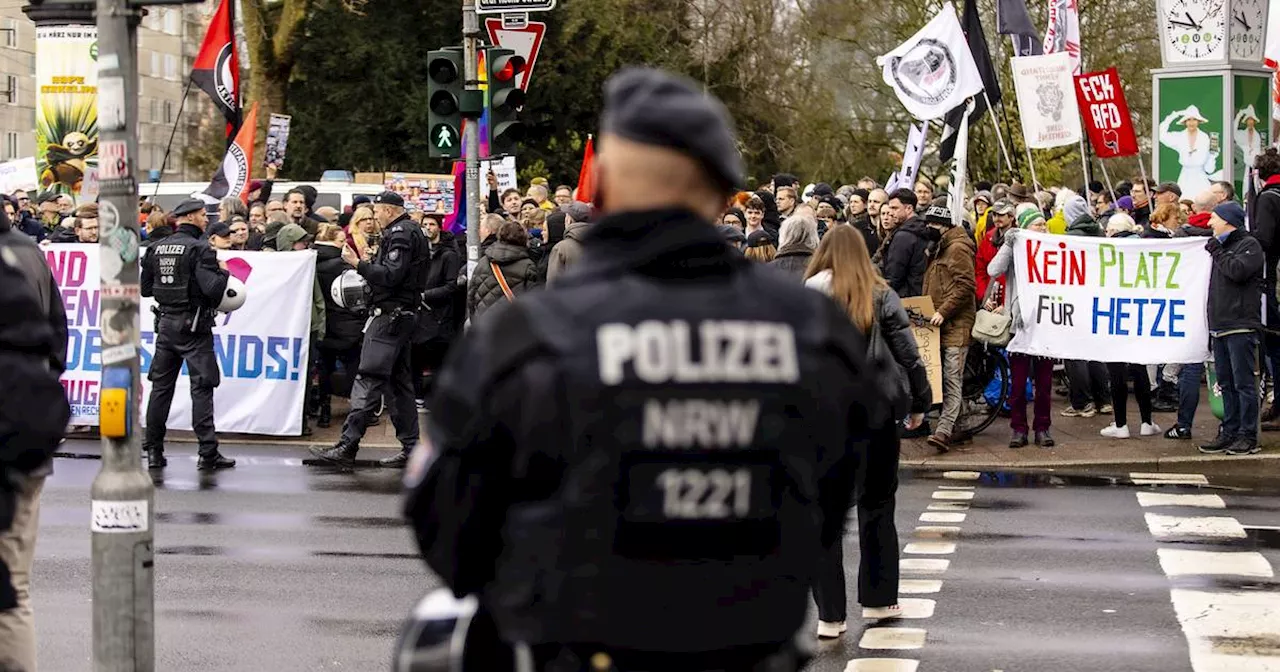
[396,276]
[637,469]
[188,282]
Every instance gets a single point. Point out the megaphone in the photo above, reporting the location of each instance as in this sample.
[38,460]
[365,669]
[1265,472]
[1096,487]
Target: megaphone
[233,297]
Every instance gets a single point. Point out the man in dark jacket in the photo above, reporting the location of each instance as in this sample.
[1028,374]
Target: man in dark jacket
[1265,226]
[1235,292]
[904,259]
[344,328]
[435,332]
[33,416]
[565,437]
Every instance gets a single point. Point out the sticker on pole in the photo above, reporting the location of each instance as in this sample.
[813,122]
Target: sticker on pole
[119,517]
[526,42]
[113,160]
[500,6]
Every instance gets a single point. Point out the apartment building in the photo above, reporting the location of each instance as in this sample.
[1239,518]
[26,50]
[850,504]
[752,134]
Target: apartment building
[168,41]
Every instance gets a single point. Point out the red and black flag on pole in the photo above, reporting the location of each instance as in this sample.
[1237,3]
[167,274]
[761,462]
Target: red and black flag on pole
[217,67]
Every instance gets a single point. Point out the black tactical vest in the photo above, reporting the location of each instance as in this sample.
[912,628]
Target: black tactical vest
[701,416]
[171,259]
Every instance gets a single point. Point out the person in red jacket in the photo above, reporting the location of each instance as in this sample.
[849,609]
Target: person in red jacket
[1002,216]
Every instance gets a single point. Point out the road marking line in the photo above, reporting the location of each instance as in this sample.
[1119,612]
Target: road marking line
[1142,478]
[882,665]
[892,638]
[948,506]
[1178,562]
[1230,631]
[1214,527]
[936,531]
[952,494]
[928,517]
[930,548]
[918,586]
[955,487]
[962,475]
[924,565]
[916,607]
[1146,499]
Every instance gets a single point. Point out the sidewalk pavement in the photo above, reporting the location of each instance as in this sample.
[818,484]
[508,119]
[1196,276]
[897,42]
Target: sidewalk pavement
[1078,443]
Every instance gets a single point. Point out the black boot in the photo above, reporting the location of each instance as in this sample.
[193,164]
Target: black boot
[155,458]
[214,462]
[340,455]
[326,417]
[397,462]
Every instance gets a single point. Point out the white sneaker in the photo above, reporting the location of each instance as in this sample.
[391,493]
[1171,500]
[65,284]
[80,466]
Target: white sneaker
[1113,432]
[894,611]
[831,629]
[1150,429]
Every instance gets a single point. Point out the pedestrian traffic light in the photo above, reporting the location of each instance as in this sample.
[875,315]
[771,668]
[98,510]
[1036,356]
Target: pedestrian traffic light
[444,103]
[505,100]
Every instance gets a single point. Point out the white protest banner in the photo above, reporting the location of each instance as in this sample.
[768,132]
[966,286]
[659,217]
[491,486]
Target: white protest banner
[504,169]
[18,174]
[1046,100]
[933,71]
[262,348]
[1130,300]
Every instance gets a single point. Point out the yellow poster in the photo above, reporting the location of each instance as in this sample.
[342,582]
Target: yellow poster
[66,106]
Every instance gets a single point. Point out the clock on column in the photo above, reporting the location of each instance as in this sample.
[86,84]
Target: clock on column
[1193,31]
[1247,30]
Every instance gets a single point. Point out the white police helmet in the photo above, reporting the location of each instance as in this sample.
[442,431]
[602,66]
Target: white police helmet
[234,295]
[350,291]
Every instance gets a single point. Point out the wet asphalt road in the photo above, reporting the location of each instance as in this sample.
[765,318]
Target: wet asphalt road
[273,566]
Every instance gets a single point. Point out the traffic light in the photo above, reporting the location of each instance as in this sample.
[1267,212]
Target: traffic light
[444,106]
[505,99]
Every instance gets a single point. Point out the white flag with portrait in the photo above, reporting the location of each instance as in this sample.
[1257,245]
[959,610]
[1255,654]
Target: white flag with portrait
[1046,100]
[933,71]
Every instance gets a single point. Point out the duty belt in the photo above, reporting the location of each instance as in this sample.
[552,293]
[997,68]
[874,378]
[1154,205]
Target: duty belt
[392,311]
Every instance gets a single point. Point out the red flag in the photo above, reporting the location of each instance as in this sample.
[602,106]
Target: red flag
[586,191]
[1106,114]
[217,68]
[232,178]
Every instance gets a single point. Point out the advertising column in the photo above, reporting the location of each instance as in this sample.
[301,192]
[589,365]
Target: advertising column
[66,108]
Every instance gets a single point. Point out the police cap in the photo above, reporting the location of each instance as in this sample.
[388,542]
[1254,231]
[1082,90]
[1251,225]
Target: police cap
[654,107]
[389,198]
[187,207]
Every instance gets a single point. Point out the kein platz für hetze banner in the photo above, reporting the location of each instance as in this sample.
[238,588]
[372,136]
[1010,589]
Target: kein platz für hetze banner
[261,349]
[1130,300]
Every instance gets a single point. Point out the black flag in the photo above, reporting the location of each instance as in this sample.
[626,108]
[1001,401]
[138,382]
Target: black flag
[1012,19]
[977,41]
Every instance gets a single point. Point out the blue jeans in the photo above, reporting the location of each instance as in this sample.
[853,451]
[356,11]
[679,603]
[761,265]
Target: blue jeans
[1233,359]
[1189,377]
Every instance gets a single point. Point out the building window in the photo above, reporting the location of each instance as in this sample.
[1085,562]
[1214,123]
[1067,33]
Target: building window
[170,66]
[155,109]
[11,89]
[168,111]
[173,21]
[11,146]
[10,33]
[155,65]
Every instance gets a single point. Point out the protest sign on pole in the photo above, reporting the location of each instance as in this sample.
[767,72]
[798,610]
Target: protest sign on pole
[262,348]
[1106,114]
[933,71]
[1045,93]
[277,143]
[1132,300]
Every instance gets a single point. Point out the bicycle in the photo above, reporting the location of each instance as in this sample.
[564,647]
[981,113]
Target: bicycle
[984,386]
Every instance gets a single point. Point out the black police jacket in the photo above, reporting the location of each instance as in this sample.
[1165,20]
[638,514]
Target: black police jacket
[182,273]
[398,272]
[651,456]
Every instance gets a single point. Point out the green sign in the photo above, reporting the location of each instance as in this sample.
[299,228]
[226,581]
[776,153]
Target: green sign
[1189,128]
[1250,130]
[444,137]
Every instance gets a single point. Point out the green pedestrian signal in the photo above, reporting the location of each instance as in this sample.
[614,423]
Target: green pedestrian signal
[444,103]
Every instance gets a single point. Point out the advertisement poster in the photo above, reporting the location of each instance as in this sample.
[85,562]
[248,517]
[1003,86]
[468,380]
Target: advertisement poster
[66,106]
[261,349]
[277,140]
[1250,130]
[432,193]
[1189,132]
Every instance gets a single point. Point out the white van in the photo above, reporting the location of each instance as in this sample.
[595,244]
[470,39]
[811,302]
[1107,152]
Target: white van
[334,194]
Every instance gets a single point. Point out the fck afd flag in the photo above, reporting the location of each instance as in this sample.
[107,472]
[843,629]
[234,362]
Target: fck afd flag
[232,178]
[933,71]
[217,68]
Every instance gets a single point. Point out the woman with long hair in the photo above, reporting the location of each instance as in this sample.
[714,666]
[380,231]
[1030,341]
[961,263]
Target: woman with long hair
[842,269]
[362,231]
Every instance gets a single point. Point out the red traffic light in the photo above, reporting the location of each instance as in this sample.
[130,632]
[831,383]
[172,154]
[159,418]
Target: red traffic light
[506,68]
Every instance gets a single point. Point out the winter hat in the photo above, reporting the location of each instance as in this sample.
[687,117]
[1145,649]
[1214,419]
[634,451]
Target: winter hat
[1231,213]
[863,194]
[1030,216]
[580,212]
[937,214]
[1121,223]
[742,217]
[823,189]
[984,196]
[1074,209]
[288,235]
[1125,203]
[759,238]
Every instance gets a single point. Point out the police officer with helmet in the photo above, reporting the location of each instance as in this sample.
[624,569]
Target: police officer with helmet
[189,284]
[637,469]
[396,277]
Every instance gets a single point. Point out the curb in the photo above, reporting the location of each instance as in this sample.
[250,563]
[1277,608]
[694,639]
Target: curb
[978,465]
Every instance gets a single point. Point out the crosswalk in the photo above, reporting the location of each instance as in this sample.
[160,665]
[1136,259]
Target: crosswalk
[1160,572]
